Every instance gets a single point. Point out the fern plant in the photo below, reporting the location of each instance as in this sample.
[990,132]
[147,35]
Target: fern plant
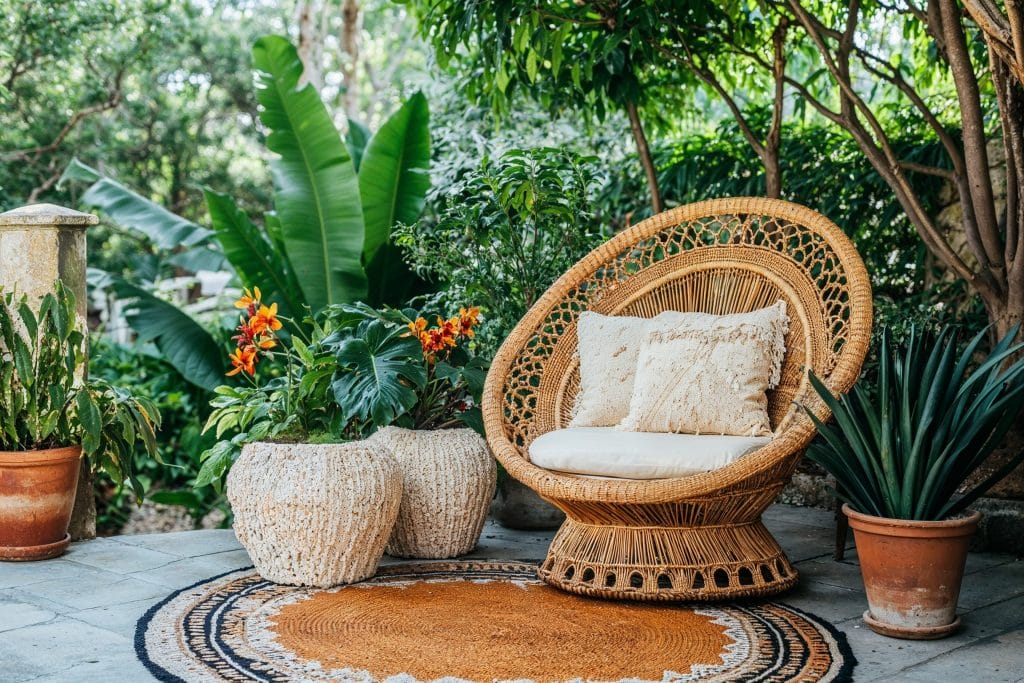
[47,402]
[904,449]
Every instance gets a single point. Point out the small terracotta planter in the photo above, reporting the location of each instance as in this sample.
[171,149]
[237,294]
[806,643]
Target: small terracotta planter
[912,572]
[37,493]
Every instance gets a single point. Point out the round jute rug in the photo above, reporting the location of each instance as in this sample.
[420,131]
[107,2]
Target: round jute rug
[472,621]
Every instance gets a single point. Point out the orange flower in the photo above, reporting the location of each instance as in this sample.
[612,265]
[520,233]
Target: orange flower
[266,343]
[417,327]
[467,319]
[243,360]
[449,331]
[249,300]
[265,320]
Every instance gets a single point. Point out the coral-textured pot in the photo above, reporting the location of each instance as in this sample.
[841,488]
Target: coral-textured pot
[912,572]
[447,485]
[314,514]
[37,493]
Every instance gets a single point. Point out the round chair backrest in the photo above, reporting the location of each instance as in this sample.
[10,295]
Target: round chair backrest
[720,256]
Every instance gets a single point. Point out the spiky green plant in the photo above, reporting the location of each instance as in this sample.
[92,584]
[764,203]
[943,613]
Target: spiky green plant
[902,449]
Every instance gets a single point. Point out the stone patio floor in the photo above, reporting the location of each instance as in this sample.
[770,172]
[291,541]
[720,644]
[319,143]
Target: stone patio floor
[73,619]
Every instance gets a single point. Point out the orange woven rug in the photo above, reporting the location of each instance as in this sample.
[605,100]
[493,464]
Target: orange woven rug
[472,621]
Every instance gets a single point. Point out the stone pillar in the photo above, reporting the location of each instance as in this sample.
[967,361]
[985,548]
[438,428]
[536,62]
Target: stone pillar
[39,245]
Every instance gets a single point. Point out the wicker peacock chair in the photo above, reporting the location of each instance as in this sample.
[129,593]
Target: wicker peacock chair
[698,537]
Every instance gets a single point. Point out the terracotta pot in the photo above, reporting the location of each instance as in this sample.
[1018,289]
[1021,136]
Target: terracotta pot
[37,493]
[447,485]
[912,572]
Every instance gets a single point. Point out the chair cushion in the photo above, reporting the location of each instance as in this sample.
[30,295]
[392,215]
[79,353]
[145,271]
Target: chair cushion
[608,348]
[708,374]
[610,452]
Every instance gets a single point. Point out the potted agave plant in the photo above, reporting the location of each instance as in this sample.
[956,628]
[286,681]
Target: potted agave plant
[416,386]
[50,416]
[901,452]
[311,505]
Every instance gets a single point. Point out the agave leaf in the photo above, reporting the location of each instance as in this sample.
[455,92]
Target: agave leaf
[932,385]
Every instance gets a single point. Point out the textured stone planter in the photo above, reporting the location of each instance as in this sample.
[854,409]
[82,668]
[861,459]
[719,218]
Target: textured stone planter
[314,514]
[448,481]
[37,493]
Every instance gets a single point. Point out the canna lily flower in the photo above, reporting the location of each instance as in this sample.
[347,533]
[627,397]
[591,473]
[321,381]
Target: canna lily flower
[243,360]
[249,300]
[266,343]
[265,320]
[417,327]
[467,319]
[449,331]
[246,336]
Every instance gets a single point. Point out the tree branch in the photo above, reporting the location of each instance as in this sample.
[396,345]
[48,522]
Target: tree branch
[35,153]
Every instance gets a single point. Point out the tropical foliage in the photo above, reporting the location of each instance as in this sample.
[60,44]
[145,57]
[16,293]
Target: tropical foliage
[902,449]
[395,367]
[330,224]
[360,369]
[46,403]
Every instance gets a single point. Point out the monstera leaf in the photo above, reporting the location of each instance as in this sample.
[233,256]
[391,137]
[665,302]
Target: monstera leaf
[380,370]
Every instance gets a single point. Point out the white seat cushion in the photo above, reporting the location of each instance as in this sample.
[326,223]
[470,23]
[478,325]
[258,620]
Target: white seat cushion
[610,452]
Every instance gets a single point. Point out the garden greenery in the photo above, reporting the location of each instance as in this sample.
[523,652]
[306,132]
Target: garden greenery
[903,448]
[507,230]
[45,400]
[359,370]
[328,240]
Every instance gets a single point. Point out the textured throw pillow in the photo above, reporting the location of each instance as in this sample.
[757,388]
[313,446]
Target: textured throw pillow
[706,374]
[608,349]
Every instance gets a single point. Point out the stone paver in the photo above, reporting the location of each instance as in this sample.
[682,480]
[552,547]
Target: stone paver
[73,619]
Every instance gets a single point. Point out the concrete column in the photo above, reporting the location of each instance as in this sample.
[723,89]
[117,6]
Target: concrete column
[39,245]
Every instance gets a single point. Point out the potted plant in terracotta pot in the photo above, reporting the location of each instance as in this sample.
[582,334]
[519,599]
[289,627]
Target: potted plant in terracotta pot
[50,416]
[900,452]
[313,505]
[415,386]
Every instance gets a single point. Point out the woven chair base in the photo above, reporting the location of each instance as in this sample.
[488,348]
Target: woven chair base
[667,563]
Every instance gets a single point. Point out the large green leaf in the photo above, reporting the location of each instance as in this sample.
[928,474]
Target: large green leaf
[378,370]
[257,260]
[393,181]
[316,190]
[131,210]
[356,138]
[184,343]
[395,173]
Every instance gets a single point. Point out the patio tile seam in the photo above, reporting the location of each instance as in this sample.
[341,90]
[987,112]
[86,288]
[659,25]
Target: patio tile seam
[974,642]
[52,619]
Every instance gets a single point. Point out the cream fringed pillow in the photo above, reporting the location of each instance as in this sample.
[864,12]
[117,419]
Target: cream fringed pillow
[608,349]
[705,374]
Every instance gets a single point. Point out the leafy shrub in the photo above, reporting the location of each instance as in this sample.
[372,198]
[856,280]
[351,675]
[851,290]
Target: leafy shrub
[507,230]
[183,407]
[45,402]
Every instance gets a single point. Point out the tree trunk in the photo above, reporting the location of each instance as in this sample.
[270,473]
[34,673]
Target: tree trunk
[645,156]
[310,44]
[350,46]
